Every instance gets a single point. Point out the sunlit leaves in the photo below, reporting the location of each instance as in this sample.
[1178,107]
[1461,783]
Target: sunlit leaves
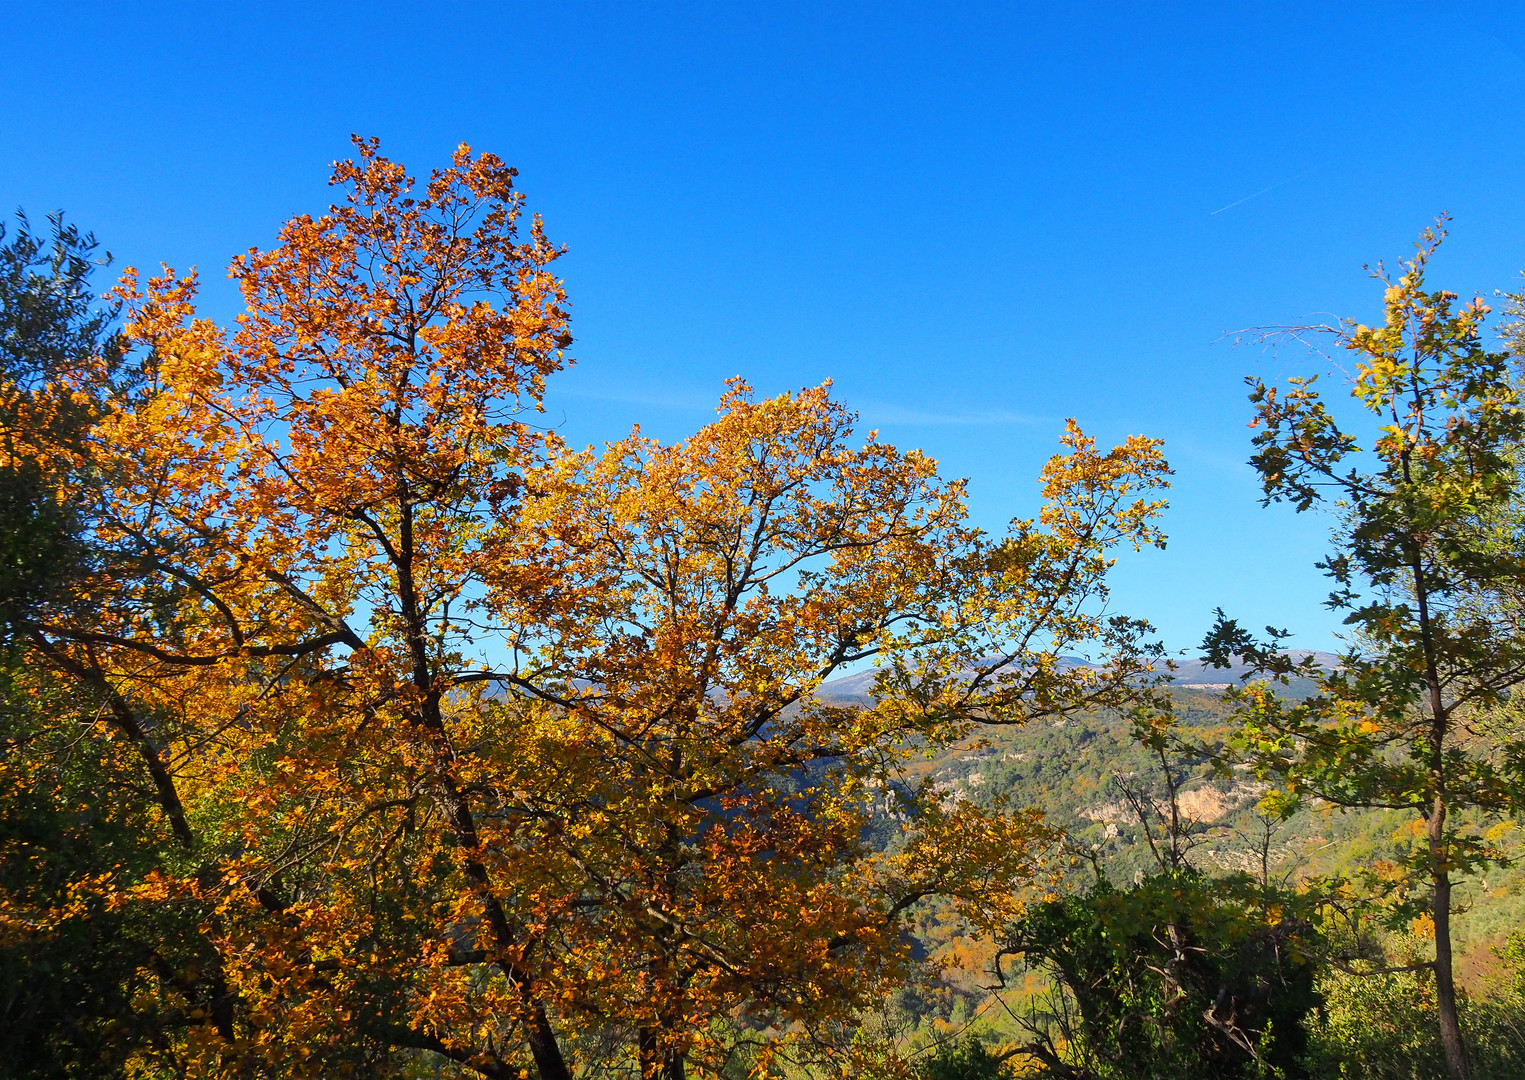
[1430,570]
[477,747]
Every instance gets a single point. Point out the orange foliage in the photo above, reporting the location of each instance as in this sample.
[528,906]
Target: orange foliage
[484,747]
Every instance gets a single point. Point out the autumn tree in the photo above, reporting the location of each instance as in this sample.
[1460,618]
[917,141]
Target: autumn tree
[466,745]
[331,463]
[1429,568]
[711,812]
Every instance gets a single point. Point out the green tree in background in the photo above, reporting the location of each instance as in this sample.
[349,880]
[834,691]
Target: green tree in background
[1429,566]
[59,361]
[965,1059]
[75,973]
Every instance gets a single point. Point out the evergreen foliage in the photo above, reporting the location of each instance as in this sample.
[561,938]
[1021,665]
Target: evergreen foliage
[1181,975]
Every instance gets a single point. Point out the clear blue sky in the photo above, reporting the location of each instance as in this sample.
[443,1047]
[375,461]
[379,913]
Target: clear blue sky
[978,220]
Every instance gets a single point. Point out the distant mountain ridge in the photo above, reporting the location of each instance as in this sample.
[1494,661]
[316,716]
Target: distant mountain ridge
[856,689]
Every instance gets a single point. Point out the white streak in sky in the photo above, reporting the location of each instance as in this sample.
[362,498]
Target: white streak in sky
[1262,191]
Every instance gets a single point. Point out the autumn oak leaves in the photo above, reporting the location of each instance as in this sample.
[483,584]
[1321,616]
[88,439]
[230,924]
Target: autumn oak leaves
[480,748]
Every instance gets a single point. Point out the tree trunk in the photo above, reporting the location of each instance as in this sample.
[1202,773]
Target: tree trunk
[1457,1067]
[546,1051]
[1440,855]
[651,1063]
[656,1063]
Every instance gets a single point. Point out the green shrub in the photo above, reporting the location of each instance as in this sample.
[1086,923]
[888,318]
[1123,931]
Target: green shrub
[1180,977]
[967,1059]
[1383,1027]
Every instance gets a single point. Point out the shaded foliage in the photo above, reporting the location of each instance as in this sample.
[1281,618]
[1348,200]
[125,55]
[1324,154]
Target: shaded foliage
[58,362]
[1181,975]
[82,979]
[964,1059]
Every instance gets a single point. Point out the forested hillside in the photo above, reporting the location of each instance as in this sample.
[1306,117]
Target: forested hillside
[1109,796]
[1081,771]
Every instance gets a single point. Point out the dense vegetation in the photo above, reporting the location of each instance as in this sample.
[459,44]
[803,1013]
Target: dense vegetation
[351,724]
[1234,857]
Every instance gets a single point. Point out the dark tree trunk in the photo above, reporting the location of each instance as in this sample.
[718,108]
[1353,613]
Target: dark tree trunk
[656,1063]
[651,1063]
[545,1050]
[1457,1067]
[1440,872]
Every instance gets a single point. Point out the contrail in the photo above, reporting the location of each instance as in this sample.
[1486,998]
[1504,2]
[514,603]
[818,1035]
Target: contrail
[1262,191]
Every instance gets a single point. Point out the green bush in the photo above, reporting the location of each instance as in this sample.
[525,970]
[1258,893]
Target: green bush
[1383,1027]
[967,1059]
[1180,977]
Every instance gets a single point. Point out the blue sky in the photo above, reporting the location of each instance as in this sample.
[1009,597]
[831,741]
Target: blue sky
[977,220]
